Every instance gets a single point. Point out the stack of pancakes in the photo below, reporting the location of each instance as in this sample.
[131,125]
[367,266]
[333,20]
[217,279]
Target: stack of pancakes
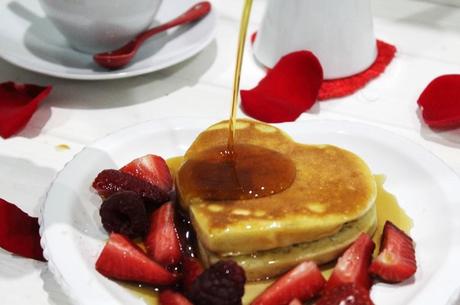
[330,202]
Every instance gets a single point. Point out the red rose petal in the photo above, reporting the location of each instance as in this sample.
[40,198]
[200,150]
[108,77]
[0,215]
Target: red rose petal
[18,103]
[289,89]
[19,232]
[440,102]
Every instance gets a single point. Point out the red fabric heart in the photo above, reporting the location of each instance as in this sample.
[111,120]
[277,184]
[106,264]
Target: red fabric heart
[340,87]
[19,232]
[440,102]
[289,89]
[18,103]
[335,88]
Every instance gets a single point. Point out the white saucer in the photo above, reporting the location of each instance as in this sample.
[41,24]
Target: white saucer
[29,40]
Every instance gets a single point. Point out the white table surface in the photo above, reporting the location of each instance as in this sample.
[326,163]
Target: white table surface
[426,33]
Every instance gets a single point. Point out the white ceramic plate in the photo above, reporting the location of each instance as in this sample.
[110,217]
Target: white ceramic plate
[426,188]
[29,40]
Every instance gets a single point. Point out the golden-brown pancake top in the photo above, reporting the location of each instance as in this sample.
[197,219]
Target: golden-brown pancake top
[332,186]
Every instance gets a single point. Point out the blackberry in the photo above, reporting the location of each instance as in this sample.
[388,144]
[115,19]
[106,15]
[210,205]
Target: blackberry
[124,213]
[221,284]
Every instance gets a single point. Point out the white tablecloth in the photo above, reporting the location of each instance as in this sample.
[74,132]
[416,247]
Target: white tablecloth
[426,33]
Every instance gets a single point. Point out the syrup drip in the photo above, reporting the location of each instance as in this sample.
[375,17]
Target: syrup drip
[237,171]
[236,81]
[251,172]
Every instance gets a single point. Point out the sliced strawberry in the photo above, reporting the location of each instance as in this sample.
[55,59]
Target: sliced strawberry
[169,297]
[349,294]
[152,169]
[352,266]
[192,269]
[396,261]
[295,302]
[303,282]
[121,259]
[162,242]
[111,181]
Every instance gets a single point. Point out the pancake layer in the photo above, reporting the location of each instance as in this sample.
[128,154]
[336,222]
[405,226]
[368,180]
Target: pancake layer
[261,265]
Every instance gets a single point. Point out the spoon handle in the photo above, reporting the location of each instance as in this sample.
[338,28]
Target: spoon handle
[200,9]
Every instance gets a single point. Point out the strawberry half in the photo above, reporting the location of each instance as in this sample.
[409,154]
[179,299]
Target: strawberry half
[169,297]
[121,259]
[303,282]
[152,169]
[352,266]
[162,242]
[111,181]
[396,260]
[346,294]
[295,302]
[192,269]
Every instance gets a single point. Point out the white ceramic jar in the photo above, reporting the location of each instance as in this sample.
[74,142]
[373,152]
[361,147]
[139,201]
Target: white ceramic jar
[339,32]
[94,26]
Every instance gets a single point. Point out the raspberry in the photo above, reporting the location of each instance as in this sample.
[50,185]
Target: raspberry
[111,181]
[124,213]
[221,284]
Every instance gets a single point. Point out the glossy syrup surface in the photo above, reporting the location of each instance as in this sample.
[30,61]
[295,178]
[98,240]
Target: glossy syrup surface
[246,172]
[388,208]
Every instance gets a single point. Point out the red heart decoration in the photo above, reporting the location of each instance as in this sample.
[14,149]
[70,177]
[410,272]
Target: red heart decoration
[289,89]
[440,102]
[18,103]
[19,232]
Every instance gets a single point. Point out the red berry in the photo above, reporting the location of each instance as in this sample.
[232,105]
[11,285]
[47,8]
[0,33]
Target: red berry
[352,266]
[152,169]
[303,282]
[396,261]
[192,268]
[124,213]
[121,259]
[169,297]
[162,242]
[111,181]
[295,302]
[220,284]
[345,294]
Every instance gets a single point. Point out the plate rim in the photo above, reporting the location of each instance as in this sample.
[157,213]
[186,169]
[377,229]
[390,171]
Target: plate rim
[197,122]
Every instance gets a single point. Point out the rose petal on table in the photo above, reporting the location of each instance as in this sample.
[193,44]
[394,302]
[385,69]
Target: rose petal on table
[19,232]
[18,103]
[440,102]
[288,90]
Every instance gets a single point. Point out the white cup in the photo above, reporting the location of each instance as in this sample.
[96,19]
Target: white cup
[94,26]
[339,32]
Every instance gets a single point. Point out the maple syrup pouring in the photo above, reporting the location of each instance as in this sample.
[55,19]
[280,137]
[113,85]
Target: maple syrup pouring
[237,171]
[236,80]
[253,172]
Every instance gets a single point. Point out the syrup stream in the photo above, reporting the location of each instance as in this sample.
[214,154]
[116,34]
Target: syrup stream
[236,81]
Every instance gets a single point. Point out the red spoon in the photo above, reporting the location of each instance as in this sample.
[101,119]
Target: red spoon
[118,58]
